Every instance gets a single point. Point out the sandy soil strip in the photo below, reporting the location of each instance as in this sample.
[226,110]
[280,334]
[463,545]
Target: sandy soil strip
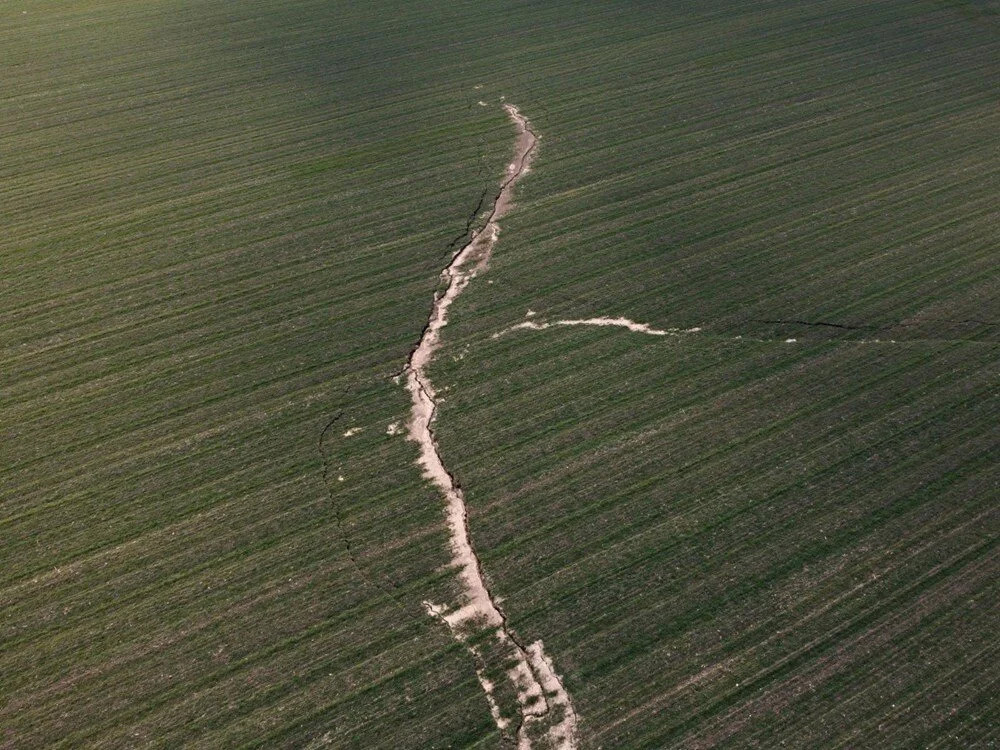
[617,322]
[541,697]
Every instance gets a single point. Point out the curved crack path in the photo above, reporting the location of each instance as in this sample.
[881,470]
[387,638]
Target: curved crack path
[525,694]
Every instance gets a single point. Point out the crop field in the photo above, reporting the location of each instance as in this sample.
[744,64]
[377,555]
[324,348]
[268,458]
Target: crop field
[772,523]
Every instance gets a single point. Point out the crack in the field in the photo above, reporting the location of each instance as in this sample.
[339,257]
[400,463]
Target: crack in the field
[469,229]
[645,328]
[464,236]
[470,223]
[819,324]
[393,587]
[537,688]
[868,327]
[504,624]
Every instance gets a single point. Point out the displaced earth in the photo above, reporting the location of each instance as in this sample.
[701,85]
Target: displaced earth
[527,699]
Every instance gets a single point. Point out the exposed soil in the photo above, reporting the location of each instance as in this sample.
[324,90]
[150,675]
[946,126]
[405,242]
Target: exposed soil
[617,322]
[543,707]
[631,325]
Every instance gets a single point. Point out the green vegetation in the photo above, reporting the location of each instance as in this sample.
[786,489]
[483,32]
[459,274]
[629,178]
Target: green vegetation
[223,226]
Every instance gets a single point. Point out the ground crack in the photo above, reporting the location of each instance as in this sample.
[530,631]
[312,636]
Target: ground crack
[392,587]
[912,323]
[464,236]
[821,323]
[477,619]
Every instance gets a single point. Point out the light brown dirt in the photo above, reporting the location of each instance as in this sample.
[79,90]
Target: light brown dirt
[541,697]
[616,322]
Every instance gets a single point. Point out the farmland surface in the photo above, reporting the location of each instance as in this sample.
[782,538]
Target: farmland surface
[224,224]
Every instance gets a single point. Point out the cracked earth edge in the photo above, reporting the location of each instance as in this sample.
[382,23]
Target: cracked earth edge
[545,712]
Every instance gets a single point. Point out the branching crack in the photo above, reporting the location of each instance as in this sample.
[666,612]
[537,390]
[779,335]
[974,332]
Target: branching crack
[645,328]
[469,225]
[391,588]
[912,323]
[820,323]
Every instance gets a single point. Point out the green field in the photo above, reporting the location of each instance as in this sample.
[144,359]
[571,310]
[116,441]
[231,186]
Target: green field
[223,227]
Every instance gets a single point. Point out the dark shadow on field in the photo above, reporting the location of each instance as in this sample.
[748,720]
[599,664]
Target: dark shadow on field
[351,58]
[985,12]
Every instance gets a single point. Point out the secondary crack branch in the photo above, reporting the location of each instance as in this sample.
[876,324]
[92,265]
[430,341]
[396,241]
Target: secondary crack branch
[821,324]
[391,586]
[543,707]
[912,323]
[645,328]
[464,236]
